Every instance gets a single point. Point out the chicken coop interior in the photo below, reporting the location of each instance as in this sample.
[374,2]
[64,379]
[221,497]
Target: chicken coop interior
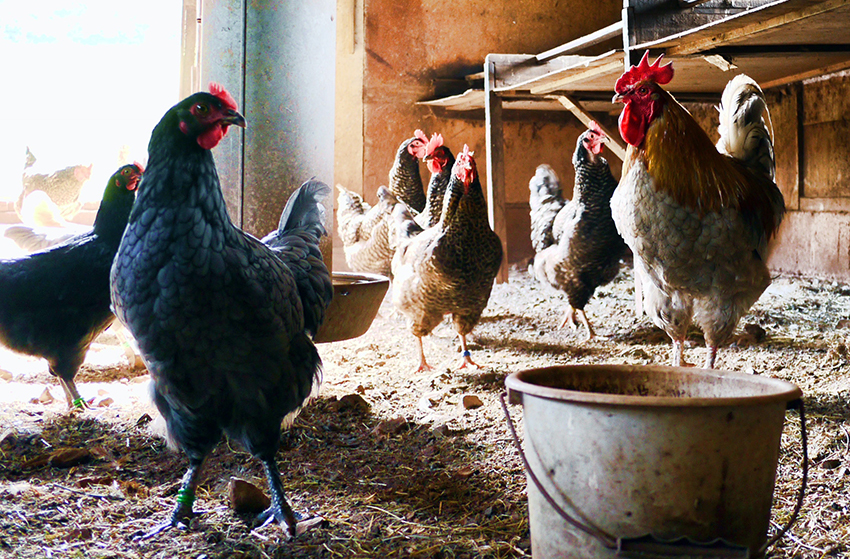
[390,455]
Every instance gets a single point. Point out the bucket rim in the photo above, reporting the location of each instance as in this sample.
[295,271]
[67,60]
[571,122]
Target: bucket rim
[518,382]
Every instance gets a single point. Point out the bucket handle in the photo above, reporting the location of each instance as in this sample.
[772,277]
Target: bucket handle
[613,543]
[804,441]
[604,538]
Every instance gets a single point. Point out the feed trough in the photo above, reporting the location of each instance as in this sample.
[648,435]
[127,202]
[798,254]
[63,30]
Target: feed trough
[357,298]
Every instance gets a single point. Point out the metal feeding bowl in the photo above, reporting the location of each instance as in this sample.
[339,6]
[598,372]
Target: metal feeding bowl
[357,297]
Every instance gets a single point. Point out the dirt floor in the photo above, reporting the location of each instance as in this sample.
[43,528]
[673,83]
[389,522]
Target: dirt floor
[399,464]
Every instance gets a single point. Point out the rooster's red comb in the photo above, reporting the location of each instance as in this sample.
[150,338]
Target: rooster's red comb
[223,96]
[435,142]
[466,154]
[421,135]
[645,72]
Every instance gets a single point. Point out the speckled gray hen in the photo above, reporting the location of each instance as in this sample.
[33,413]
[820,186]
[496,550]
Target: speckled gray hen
[221,319]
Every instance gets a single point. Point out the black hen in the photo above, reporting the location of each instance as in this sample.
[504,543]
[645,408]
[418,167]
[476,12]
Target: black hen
[56,302]
[219,316]
[589,249]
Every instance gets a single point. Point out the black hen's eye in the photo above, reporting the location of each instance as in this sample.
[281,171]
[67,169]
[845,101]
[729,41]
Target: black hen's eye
[201,109]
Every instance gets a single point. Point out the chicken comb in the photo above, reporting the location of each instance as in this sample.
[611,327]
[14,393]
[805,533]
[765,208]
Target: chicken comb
[227,100]
[466,154]
[139,166]
[421,135]
[592,125]
[645,72]
[435,142]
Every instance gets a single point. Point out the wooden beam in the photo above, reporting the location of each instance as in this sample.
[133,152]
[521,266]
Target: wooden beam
[495,163]
[614,144]
[698,45]
[563,83]
[598,36]
[806,75]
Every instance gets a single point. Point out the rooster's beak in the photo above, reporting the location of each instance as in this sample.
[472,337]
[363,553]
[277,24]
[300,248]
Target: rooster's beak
[234,118]
[618,99]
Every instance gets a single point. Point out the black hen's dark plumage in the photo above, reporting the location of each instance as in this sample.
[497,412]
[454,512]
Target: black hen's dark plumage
[589,250]
[218,316]
[55,302]
[296,242]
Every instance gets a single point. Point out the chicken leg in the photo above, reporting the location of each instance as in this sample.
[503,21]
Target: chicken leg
[467,356]
[279,510]
[185,498]
[423,365]
[570,318]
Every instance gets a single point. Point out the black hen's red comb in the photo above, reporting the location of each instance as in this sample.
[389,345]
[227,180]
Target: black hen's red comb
[226,99]
[645,71]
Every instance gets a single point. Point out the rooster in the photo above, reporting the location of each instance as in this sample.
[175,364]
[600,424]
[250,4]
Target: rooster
[697,219]
[405,179]
[56,302]
[222,321]
[440,161]
[367,232]
[585,249]
[448,268]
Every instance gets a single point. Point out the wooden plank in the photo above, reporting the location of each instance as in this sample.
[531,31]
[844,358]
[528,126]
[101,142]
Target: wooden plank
[825,204]
[468,100]
[614,68]
[837,67]
[525,76]
[695,45]
[495,141]
[598,36]
[614,144]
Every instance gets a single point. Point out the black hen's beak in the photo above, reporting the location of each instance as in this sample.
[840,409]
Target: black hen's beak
[233,118]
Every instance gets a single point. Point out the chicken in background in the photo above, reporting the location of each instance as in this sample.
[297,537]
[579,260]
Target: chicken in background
[545,200]
[589,249]
[50,199]
[367,232]
[222,322]
[698,220]
[448,268]
[405,180]
[56,302]
[440,161]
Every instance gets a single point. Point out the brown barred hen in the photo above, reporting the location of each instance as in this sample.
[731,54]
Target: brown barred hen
[405,179]
[440,160]
[448,268]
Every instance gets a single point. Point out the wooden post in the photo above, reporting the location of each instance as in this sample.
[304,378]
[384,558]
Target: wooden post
[495,163]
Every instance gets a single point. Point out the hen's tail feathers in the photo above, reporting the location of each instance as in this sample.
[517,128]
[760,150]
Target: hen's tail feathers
[746,130]
[305,209]
[545,200]
[406,226]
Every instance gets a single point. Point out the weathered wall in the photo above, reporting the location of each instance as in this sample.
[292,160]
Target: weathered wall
[408,49]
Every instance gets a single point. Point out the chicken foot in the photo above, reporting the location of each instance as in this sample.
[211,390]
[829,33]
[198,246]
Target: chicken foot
[570,318]
[279,511]
[467,356]
[183,512]
[75,401]
[423,365]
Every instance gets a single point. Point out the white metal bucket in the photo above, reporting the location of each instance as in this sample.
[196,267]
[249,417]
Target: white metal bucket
[634,451]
